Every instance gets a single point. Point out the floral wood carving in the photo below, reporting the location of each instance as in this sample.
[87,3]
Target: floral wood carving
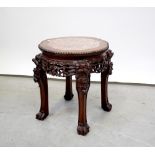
[63,68]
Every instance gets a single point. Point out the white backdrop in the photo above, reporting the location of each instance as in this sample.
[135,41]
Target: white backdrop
[129,31]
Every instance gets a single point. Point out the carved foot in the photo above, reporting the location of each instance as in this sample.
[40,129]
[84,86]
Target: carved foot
[107,107]
[83,129]
[68,97]
[41,115]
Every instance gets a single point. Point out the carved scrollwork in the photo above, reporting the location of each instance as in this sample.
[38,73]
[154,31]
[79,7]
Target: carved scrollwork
[110,64]
[37,70]
[63,68]
[110,68]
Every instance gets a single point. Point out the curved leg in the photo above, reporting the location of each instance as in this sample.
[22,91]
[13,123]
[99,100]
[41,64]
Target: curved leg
[104,92]
[68,94]
[41,78]
[83,127]
[82,86]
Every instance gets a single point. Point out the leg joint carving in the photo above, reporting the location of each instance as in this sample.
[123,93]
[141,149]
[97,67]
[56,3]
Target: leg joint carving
[108,65]
[38,71]
[83,77]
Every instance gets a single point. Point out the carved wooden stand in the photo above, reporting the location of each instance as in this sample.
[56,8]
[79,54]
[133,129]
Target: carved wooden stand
[81,68]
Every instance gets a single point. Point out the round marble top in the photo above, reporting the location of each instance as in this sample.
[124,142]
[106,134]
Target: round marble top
[74,45]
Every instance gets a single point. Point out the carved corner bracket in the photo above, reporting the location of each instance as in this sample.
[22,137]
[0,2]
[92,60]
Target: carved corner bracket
[83,70]
[37,70]
[110,64]
[104,64]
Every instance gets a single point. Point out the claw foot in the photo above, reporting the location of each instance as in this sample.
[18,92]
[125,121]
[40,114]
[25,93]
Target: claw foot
[68,97]
[41,115]
[107,107]
[83,129]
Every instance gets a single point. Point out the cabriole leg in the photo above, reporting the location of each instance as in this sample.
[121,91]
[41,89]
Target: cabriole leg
[41,78]
[104,92]
[82,86]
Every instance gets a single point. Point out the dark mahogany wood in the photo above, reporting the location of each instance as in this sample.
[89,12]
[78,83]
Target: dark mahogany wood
[106,106]
[41,78]
[104,92]
[69,93]
[82,86]
[81,67]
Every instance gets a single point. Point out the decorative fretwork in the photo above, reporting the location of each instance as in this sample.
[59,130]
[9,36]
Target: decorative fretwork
[63,68]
